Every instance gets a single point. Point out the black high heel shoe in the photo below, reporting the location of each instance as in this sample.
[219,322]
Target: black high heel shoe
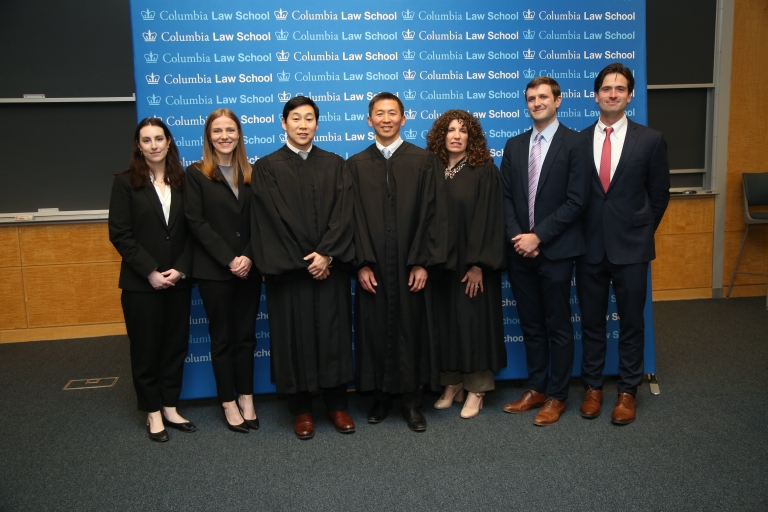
[186,427]
[242,428]
[160,437]
[252,424]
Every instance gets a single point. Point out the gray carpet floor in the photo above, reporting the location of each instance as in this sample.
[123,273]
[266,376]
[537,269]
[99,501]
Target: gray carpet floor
[700,445]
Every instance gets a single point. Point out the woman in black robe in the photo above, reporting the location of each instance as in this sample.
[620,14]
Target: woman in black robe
[468,295]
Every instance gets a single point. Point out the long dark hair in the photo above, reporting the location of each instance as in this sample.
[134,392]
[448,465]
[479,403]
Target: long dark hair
[477,147]
[139,170]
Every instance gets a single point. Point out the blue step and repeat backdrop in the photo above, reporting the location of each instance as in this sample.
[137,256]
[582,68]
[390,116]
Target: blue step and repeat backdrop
[195,56]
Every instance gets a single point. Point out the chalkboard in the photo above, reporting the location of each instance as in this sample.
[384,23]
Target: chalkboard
[62,155]
[77,48]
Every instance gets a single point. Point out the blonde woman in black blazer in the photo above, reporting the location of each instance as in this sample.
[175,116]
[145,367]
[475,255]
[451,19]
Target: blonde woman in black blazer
[218,213]
[148,228]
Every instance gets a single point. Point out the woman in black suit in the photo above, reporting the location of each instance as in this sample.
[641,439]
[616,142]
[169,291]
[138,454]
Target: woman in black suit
[148,228]
[218,213]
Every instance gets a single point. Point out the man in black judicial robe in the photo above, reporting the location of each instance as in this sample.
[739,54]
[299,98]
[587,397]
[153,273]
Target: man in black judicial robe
[302,236]
[401,230]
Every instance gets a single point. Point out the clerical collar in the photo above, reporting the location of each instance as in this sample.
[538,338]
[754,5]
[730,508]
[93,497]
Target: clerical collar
[392,147]
[296,150]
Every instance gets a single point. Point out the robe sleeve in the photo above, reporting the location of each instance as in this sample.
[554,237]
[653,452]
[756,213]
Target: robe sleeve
[363,247]
[432,241]
[486,228]
[337,241]
[274,247]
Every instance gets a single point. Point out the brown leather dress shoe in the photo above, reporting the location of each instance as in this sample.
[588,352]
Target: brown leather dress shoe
[590,407]
[342,421]
[304,427]
[550,412]
[624,412]
[530,400]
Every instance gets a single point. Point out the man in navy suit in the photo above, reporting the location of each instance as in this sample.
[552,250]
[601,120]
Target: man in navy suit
[546,176]
[630,192]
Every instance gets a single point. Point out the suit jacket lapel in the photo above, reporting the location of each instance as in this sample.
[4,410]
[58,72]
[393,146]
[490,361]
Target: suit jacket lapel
[630,140]
[525,143]
[554,148]
[175,206]
[595,175]
[155,202]
[240,197]
[241,191]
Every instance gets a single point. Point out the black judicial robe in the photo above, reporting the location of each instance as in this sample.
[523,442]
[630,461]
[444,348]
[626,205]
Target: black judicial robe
[471,330]
[301,207]
[401,222]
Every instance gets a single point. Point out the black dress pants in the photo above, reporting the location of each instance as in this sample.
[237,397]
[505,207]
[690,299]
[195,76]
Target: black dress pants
[542,289]
[232,307]
[158,330]
[335,400]
[630,287]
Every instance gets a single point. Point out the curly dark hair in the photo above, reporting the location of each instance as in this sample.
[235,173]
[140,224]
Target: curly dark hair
[477,146]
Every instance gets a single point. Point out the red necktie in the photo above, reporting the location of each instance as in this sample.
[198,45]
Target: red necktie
[605,160]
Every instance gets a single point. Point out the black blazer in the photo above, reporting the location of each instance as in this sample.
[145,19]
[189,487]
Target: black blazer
[220,223]
[561,195]
[138,231]
[621,222]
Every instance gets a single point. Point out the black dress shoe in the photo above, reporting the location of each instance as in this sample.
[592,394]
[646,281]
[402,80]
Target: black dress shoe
[379,411]
[252,424]
[242,428]
[187,426]
[160,437]
[415,420]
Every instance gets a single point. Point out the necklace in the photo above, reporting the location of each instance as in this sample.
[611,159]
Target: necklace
[450,173]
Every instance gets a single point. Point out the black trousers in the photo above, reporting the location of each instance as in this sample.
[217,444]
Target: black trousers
[158,330]
[630,287]
[335,400]
[542,289]
[232,307]
[409,400]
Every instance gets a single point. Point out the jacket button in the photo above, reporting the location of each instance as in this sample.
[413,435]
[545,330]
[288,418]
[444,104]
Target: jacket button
[167,239]
[237,233]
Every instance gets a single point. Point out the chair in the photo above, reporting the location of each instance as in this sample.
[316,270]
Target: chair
[755,194]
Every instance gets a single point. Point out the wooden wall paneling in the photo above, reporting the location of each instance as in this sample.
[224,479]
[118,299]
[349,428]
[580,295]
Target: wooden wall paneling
[683,261]
[688,215]
[13,311]
[69,243]
[754,259]
[9,247]
[60,295]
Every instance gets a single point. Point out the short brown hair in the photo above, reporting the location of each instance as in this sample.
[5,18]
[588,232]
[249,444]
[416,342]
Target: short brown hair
[545,80]
[616,67]
[477,146]
[385,96]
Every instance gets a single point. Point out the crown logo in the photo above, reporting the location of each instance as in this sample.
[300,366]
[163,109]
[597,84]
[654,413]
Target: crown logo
[528,15]
[529,34]
[410,114]
[151,58]
[409,74]
[529,73]
[284,76]
[407,14]
[408,35]
[149,36]
[529,54]
[153,100]
[410,134]
[281,35]
[410,94]
[148,15]
[409,54]
[282,56]
[281,15]
[153,79]
[283,138]
[284,96]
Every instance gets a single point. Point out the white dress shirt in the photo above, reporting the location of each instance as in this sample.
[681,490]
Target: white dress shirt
[165,198]
[618,135]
